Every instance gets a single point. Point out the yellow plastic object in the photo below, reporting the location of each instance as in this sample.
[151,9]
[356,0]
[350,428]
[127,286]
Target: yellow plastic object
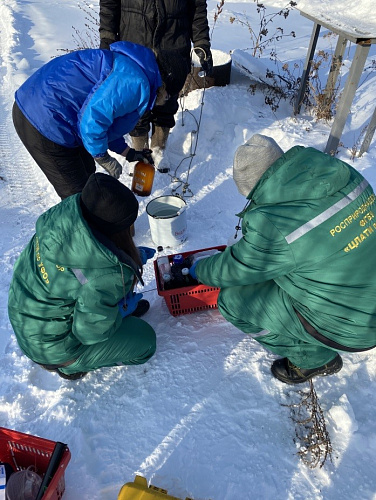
[139,490]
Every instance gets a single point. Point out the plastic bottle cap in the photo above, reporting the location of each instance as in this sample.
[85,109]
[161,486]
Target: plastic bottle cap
[178,259]
[166,277]
[185,271]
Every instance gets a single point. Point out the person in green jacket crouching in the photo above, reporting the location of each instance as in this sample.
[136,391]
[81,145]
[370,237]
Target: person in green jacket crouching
[71,299]
[302,279]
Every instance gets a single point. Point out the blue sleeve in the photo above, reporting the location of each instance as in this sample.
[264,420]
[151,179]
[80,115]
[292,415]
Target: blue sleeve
[118,145]
[113,110]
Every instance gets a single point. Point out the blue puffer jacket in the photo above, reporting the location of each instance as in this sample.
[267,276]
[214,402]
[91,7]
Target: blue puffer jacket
[91,97]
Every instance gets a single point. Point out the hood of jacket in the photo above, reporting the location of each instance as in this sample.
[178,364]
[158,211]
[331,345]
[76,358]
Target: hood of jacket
[65,238]
[300,174]
[145,58]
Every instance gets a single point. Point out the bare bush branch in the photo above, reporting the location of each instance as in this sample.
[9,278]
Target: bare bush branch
[312,436]
[87,38]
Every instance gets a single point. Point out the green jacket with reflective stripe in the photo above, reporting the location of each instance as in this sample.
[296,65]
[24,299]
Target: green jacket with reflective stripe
[65,287]
[310,226]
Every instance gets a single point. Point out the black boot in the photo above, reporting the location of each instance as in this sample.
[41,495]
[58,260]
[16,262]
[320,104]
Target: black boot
[287,372]
[142,308]
[55,369]
[71,376]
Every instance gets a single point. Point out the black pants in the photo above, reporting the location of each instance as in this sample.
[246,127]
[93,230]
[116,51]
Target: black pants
[67,169]
[159,116]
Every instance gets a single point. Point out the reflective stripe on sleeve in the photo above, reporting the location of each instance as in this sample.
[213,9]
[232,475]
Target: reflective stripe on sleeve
[80,276]
[329,212]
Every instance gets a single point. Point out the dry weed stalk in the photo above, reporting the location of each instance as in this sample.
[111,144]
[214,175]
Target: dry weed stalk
[312,435]
[87,38]
[216,14]
[261,36]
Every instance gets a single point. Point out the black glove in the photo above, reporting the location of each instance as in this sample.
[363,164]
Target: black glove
[144,155]
[206,59]
[109,163]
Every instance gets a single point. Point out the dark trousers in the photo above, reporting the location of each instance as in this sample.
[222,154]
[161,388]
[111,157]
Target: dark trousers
[159,116]
[67,169]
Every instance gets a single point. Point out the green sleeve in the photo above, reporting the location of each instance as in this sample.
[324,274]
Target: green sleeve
[260,255]
[96,316]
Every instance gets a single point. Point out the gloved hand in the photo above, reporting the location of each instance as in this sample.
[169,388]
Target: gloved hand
[128,304]
[146,253]
[144,155]
[192,270]
[206,59]
[109,163]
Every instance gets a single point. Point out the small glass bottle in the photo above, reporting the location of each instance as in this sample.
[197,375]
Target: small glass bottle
[143,177]
[187,277]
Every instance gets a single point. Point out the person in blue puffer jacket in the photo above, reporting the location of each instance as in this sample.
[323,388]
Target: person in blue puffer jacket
[78,106]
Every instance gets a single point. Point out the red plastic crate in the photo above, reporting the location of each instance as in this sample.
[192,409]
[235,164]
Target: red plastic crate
[188,299]
[22,450]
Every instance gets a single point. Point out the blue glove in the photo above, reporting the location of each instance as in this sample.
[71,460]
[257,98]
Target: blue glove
[146,253]
[192,270]
[128,304]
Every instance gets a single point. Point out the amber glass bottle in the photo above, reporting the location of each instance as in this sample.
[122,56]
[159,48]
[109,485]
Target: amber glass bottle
[143,177]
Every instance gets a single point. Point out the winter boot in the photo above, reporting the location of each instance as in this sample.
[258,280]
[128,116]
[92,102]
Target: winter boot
[158,143]
[141,142]
[71,376]
[287,372]
[54,369]
[142,308]
[159,137]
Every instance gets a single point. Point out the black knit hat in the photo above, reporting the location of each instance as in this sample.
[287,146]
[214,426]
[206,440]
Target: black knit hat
[107,204]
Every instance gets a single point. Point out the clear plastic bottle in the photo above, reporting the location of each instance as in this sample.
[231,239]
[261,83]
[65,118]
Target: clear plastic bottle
[143,178]
[164,269]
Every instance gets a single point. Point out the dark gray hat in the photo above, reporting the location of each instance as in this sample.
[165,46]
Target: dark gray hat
[107,204]
[252,160]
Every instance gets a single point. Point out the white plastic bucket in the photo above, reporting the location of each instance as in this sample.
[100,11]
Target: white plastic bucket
[167,220]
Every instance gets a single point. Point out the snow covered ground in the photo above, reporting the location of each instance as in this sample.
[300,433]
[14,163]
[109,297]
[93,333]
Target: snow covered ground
[204,418]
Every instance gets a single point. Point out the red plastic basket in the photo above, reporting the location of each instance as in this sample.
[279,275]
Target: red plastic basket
[22,450]
[188,299]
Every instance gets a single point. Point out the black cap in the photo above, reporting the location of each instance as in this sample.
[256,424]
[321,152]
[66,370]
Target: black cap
[107,204]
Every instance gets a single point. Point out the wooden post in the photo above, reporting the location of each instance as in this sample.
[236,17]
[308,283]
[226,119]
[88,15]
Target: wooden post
[369,134]
[334,70]
[344,105]
[307,68]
